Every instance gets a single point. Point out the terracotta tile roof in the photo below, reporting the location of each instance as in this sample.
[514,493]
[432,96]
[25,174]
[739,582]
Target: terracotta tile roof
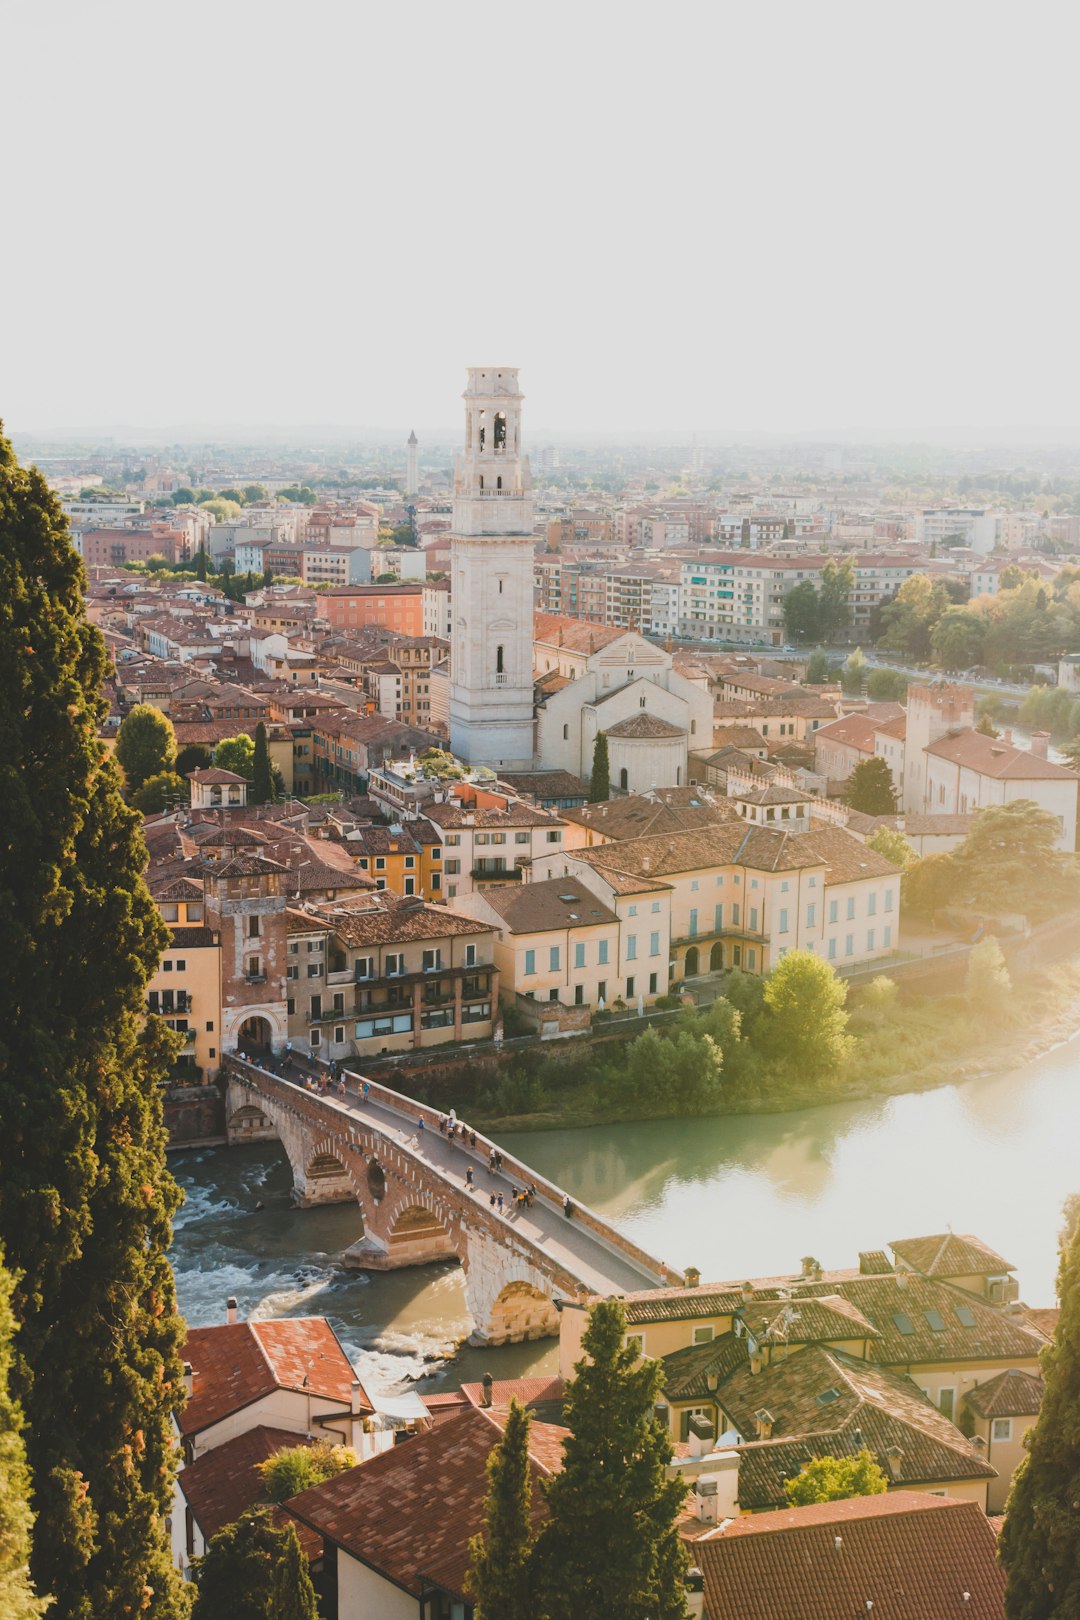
[910,1555]
[990,756]
[924,1320]
[556,903]
[224,1482]
[738,737]
[409,1512]
[517,814]
[950,1254]
[644,724]
[737,843]
[389,919]
[1012,1393]
[809,707]
[846,858]
[638,815]
[235,1364]
[556,630]
[175,888]
[215,777]
[817,1393]
[854,730]
[686,1372]
[1044,1318]
[546,784]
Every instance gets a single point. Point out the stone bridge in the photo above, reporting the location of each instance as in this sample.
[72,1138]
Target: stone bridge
[410,1186]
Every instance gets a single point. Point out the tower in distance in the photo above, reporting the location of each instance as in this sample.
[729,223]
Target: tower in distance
[412,475]
[491,643]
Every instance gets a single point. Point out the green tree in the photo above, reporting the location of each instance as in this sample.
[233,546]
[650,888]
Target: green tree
[1009,862]
[832,1479]
[295,1468]
[988,981]
[908,620]
[600,780]
[145,745]
[498,1575]
[817,668]
[200,564]
[159,793]
[248,1568]
[236,754]
[853,673]
[256,492]
[959,638]
[1040,1541]
[930,884]
[262,781]
[85,1196]
[17,1600]
[802,616]
[886,686]
[223,511]
[156,562]
[834,598]
[985,726]
[192,758]
[804,1025]
[183,496]
[893,846]
[870,789]
[611,1543]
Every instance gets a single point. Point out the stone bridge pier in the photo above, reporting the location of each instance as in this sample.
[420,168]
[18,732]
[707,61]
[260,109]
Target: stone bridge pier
[411,1214]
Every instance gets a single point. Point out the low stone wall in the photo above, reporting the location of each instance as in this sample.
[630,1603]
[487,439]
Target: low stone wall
[195,1116]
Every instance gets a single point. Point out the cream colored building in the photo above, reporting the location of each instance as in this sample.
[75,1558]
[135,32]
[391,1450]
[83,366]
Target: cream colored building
[488,846]
[554,941]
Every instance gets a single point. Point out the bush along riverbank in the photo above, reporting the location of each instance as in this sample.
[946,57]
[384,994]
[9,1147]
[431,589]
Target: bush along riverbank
[795,1039]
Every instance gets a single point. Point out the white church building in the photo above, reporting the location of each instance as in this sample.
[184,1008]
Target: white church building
[532,693]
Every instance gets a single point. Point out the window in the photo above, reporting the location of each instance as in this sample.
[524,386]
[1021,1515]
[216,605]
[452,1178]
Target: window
[632,911]
[869,939]
[886,937]
[704,1335]
[811,914]
[395,963]
[947,1402]
[904,1324]
[654,944]
[655,907]
[834,913]
[553,959]
[181,964]
[432,960]
[530,962]
[253,927]
[521,838]
[602,953]
[783,920]
[935,1320]
[452,868]
[630,987]
[631,947]
[849,945]
[470,956]
[313,970]
[1001,1429]
[888,899]
[693,922]
[832,950]
[850,907]
[167,965]
[579,955]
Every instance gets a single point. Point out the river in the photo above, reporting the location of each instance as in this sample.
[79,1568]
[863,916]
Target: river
[742,1196]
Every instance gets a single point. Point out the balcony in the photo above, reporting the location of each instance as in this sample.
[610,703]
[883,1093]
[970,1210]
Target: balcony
[498,874]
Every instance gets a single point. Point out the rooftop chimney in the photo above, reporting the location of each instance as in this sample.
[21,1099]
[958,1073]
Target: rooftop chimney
[700,1436]
[764,1421]
[356,1391]
[695,1593]
[693,1276]
[485,1398]
[231,1315]
[893,1458]
[1006,736]
[189,1379]
[1040,741]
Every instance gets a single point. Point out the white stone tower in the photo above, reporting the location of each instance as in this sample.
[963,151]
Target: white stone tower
[491,643]
[412,476]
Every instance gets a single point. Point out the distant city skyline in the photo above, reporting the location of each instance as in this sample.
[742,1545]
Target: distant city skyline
[728,223]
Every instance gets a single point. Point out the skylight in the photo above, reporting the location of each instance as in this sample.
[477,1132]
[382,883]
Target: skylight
[965,1315]
[827,1396]
[936,1320]
[903,1322]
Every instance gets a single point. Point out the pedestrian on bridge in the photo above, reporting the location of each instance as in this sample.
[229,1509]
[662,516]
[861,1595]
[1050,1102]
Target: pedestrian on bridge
[420,1124]
[367,1088]
[469,1179]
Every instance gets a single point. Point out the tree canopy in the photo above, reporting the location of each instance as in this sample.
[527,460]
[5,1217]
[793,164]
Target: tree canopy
[610,1545]
[295,1468]
[236,754]
[600,780]
[1040,1541]
[86,1199]
[832,1479]
[161,792]
[805,1020]
[17,1600]
[499,1577]
[870,789]
[262,777]
[254,1570]
[145,745]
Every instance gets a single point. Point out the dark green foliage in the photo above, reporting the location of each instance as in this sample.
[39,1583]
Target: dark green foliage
[802,617]
[804,1025]
[254,1570]
[236,754]
[160,792]
[610,1545]
[600,781]
[834,611]
[85,1198]
[262,782]
[297,1468]
[817,668]
[200,563]
[498,1575]
[886,686]
[192,758]
[1008,862]
[17,1600]
[1040,1541]
[870,788]
[145,745]
[832,1479]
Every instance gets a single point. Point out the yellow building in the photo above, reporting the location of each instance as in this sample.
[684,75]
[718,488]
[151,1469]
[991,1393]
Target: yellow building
[1000,1414]
[556,941]
[407,860]
[186,989]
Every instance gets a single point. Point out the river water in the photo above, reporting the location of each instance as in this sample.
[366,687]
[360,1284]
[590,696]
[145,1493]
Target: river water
[742,1196]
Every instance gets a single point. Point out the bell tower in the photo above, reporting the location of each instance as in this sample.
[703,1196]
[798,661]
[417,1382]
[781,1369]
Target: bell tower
[491,643]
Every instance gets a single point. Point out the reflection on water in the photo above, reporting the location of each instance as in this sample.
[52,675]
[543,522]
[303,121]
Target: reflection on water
[737,1197]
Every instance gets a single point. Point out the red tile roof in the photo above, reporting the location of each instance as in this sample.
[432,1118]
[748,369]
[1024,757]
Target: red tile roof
[224,1482]
[236,1364]
[1012,1393]
[409,1512]
[903,1556]
[990,756]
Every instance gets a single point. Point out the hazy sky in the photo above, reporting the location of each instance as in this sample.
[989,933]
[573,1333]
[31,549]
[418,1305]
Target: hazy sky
[785,216]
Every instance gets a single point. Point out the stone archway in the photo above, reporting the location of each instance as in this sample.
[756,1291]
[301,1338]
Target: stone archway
[716,958]
[376,1180]
[416,1236]
[521,1311]
[255,1035]
[248,1123]
[692,966]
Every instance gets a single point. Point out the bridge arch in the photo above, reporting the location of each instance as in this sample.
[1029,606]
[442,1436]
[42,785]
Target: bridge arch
[520,1311]
[416,1234]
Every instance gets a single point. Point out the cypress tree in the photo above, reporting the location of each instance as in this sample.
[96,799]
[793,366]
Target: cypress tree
[292,1596]
[262,782]
[610,1545]
[17,1600]
[200,563]
[85,1198]
[254,1570]
[1040,1541]
[600,781]
[498,1558]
